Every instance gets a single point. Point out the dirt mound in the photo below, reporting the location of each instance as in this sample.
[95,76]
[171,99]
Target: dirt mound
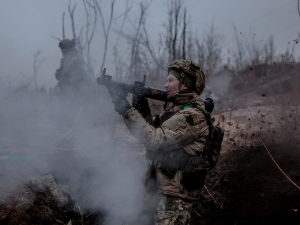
[263,85]
[43,210]
[39,200]
[247,188]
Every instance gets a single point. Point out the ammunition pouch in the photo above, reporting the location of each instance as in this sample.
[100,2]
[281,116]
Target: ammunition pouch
[193,176]
[172,161]
[194,168]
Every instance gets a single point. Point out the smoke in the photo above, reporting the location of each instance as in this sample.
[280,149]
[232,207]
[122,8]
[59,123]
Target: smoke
[219,83]
[81,140]
[78,140]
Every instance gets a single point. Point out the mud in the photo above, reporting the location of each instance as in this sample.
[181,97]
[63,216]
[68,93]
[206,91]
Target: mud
[248,188]
[43,210]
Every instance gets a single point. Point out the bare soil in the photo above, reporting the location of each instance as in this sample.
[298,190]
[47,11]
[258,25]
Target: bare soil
[44,210]
[248,188]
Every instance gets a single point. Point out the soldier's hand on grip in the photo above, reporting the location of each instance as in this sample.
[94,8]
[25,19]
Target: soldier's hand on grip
[141,103]
[121,105]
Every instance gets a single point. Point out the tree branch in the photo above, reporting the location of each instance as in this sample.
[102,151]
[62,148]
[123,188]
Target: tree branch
[105,31]
[63,25]
[71,13]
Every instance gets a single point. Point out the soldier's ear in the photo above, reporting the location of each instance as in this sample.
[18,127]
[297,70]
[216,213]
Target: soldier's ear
[184,87]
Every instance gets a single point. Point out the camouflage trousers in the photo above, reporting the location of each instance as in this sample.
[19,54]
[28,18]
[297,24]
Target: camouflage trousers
[173,211]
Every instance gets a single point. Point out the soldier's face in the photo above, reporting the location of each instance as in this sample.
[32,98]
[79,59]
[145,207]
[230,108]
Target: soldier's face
[171,87]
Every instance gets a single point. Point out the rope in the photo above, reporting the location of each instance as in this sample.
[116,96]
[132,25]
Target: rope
[279,166]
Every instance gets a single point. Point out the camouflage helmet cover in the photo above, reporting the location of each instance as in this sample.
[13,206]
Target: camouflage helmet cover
[190,68]
[66,44]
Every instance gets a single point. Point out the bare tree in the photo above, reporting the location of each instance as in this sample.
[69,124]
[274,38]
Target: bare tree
[86,63]
[209,50]
[184,34]
[172,28]
[37,63]
[118,60]
[254,51]
[71,13]
[135,53]
[298,7]
[63,25]
[91,19]
[269,51]
[84,39]
[239,53]
[201,52]
[139,45]
[191,46]
[288,57]
[105,31]
[213,42]
[176,5]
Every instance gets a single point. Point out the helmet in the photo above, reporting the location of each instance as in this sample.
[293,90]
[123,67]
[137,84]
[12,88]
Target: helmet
[66,44]
[193,76]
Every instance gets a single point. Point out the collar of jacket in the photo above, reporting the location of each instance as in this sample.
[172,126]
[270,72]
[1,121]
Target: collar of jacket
[183,99]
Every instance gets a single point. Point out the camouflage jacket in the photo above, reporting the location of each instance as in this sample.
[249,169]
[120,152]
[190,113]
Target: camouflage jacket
[70,72]
[186,128]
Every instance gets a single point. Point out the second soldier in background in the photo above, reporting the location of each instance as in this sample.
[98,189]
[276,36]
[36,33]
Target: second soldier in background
[70,74]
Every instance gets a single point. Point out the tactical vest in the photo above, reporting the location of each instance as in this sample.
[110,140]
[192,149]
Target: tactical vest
[194,168]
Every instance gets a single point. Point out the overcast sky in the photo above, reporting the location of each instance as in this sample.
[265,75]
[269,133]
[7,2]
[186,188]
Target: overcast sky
[27,26]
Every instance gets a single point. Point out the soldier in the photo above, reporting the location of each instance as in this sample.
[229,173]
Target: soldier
[70,74]
[176,140]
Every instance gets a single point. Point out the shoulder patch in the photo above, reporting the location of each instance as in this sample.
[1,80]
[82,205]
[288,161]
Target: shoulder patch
[175,122]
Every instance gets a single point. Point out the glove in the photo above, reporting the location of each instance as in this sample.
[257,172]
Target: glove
[141,103]
[121,106]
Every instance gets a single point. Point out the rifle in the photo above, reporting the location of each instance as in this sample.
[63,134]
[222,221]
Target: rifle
[139,88]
